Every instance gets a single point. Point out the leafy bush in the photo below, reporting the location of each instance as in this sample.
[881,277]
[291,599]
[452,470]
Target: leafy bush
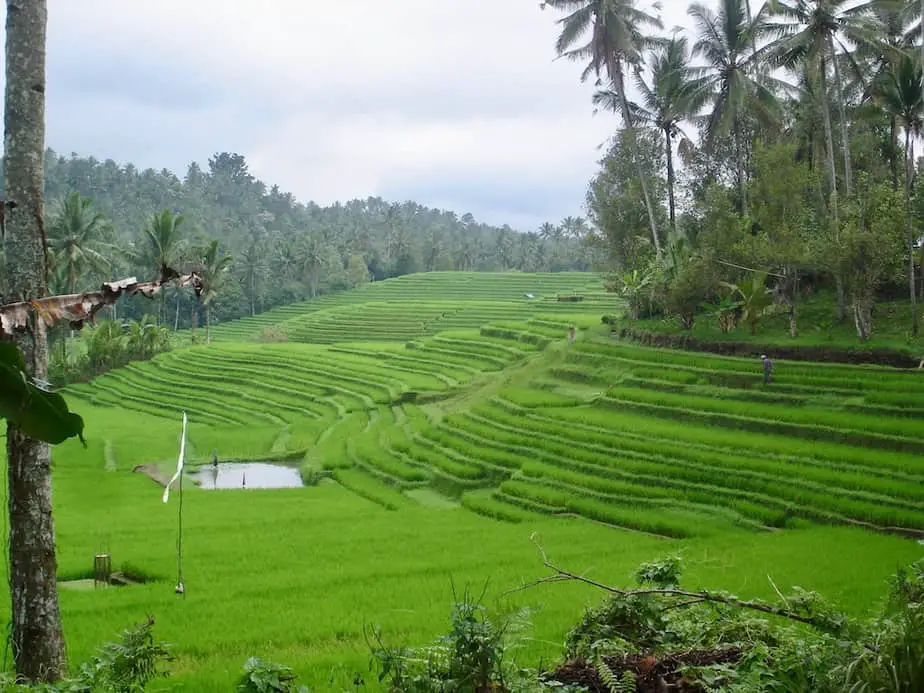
[110,344]
[471,658]
[127,666]
[742,646]
[267,677]
[271,333]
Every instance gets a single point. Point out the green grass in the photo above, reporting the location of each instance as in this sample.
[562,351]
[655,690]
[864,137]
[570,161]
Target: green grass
[446,445]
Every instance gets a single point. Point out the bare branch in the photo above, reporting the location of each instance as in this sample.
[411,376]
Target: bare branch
[77,308]
[562,575]
[680,605]
[748,269]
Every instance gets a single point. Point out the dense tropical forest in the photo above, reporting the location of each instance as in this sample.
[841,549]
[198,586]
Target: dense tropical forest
[257,246]
[765,155]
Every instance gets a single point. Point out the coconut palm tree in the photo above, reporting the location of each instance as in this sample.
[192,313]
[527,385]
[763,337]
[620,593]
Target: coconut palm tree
[898,38]
[35,637]
[726,40]
[616,43]
[915,10]
[810,31]
[902,96]
[162,245]
[213,273]
[803,121]
[670,97]
[78,242]
[548,231]
[311,257]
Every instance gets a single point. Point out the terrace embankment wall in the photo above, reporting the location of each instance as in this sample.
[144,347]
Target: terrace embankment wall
[829,354]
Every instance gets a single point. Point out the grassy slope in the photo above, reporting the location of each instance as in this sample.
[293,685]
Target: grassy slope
[294,575]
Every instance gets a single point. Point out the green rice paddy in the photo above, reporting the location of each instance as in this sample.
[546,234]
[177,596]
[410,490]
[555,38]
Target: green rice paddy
[448,418]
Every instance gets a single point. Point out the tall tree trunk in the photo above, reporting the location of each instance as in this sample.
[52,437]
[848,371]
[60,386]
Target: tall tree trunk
[845,126]
[829,145]
[253,300]
[37,638]
[832,186]
[863,317]
[669,152]
[893,151]
[208,323]
[739,165]
[616,73]
[193,319]
[909,173]
[792,295]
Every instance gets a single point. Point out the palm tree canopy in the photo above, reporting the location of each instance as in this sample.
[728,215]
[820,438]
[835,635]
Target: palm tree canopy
[164,241]
[213,270]
[895,42]
[901,94]
[726,41]
[78,241]
[670,96]
[807,29]
[616,30]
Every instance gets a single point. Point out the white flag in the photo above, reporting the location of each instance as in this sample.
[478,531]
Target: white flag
[179,462]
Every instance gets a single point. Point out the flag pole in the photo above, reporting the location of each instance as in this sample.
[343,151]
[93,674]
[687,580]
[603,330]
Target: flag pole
[178,475]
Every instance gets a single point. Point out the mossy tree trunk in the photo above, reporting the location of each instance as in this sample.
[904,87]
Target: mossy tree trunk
[37,638]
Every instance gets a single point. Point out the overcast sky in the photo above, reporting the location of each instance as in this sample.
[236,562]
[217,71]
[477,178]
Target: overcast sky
[456,104]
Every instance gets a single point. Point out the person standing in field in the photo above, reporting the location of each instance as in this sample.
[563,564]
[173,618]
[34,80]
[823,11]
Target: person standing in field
[768,368]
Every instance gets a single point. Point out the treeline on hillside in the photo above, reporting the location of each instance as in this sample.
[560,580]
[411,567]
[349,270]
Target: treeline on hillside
[257,246]
[771,151]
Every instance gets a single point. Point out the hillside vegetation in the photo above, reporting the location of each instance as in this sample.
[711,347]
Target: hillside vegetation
[432,455]
[260,246]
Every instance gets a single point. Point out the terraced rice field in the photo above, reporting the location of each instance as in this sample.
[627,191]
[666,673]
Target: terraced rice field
[442,441]
[423,304]
[670,443]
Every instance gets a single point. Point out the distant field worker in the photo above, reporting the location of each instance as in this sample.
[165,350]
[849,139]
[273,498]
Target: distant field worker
[572,333]
[768,368]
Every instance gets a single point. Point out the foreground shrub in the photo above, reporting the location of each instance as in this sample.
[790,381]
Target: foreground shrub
[471,658]
[267,677]
[127,666]
[664,637]
[659,636]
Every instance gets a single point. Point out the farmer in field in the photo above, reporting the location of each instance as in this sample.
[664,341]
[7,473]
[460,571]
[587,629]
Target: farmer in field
[768,368]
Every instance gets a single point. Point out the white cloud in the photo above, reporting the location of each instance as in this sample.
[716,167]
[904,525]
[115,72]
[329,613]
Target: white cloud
[335,99]
[358,156]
